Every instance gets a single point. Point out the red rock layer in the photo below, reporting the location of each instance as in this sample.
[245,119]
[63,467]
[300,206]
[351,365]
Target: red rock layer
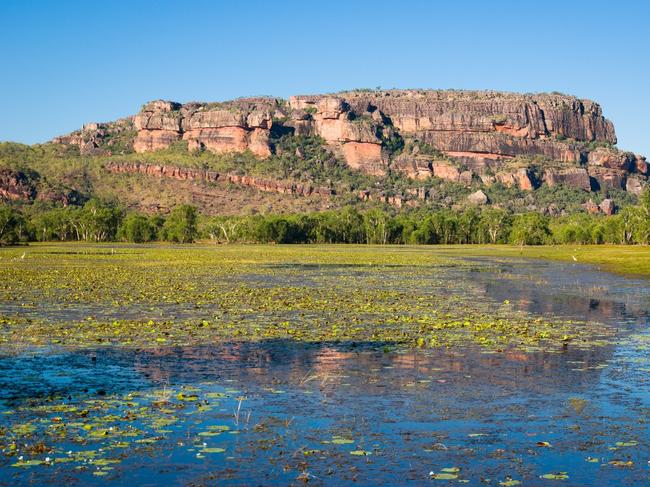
[182,173]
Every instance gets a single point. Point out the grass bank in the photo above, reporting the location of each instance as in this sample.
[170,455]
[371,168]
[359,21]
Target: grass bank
[621,259]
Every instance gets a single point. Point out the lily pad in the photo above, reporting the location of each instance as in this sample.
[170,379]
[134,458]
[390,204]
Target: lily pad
[213,450]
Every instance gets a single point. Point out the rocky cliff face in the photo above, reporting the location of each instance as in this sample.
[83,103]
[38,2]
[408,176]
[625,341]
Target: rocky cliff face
[224,127]
[478,136]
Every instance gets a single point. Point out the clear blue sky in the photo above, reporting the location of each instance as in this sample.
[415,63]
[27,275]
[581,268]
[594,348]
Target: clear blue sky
[70,62]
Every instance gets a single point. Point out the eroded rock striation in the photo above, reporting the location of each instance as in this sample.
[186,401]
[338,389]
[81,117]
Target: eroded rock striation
[190,174]
[220,127]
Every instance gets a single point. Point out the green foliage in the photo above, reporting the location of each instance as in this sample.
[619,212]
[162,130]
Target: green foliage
[494,226]
[644,200]
[529,229]
[137,228]
[55,224]
[99,221]
[181,225]
[12,226]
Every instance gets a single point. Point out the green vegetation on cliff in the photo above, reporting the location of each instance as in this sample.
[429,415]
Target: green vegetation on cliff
[59,175]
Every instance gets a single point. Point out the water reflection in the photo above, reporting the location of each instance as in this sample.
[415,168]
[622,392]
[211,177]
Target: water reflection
[415,411]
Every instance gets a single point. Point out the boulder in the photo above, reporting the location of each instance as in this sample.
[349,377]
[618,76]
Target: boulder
[478,198]
[607,206]
[635,185]
[591,207]
[576,177]
[521,178]
[412,166]
[445,170]
[366,157]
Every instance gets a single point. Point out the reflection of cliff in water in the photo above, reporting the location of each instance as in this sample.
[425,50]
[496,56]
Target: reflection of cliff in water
[567,291]
[372,371]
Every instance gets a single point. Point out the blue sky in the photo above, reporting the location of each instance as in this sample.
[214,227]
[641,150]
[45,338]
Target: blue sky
[70,62]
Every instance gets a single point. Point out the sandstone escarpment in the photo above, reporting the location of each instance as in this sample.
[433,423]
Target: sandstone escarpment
[481,126]
[475,135]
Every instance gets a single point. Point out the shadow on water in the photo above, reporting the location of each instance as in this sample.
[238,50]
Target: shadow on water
[409,410]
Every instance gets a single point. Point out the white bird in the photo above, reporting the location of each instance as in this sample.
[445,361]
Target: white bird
[22,257]
[574,258]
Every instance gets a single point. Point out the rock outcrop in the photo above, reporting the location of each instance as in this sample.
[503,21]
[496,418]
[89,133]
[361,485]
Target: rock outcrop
[223,127]
[606,207]
[102,138]
[411,196]
[190,174]
[575,177]
[15,185]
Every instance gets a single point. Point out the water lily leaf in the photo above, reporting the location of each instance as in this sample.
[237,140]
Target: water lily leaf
[443,476]
[209,433]
[147,440]
[27,463]
[213,450]
[510,482]
[105,461]
[360,453]
[626,443]
[216,395]
[555,476]
[187,397]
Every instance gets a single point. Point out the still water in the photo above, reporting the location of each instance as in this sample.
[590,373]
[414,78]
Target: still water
[282,412]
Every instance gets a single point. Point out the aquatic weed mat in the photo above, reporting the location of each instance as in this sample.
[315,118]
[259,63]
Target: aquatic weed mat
[85,296]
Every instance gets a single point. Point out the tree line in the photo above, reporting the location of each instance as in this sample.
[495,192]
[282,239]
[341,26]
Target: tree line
[98,221]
